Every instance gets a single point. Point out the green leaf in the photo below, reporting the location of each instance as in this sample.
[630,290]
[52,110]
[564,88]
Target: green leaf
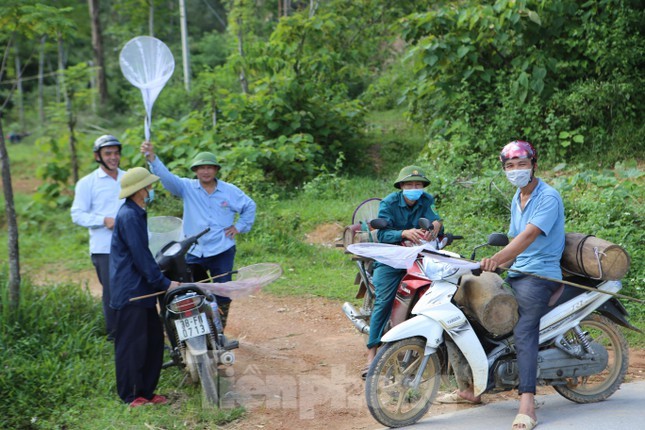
[533,16]
[463,50]
[578,138]
[564,135]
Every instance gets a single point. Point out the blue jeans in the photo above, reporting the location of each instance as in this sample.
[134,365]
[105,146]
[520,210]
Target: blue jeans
[386,281]
[532,296]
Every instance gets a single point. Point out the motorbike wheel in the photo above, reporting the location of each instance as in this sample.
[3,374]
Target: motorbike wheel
[191,365]
[594,388]
[208,377]
[391,399]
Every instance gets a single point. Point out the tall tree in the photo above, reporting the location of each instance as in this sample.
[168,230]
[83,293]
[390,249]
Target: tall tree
[30,20]
[97,46]
[185,49]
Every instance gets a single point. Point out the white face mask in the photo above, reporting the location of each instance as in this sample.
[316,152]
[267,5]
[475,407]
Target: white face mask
[519,178]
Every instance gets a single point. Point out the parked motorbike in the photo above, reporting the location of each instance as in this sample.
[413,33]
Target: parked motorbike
[583,354]
[413,285]
[192,322]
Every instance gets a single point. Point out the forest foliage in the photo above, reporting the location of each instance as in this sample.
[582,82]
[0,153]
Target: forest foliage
[565,75]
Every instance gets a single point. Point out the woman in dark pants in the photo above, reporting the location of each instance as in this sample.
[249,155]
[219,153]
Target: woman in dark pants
[138,340]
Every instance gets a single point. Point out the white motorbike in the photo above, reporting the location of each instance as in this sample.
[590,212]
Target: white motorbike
[583,354]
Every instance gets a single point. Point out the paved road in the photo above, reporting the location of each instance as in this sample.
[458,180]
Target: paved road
[625,410]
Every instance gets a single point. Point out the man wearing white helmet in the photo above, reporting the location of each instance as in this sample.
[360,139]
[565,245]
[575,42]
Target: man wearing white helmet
[96,202]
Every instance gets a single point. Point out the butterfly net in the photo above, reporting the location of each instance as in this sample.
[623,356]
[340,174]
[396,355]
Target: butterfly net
[248,280]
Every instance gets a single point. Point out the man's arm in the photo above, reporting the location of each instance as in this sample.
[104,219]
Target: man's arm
[172,183]
[136,238]
[82,206]
[509,253]
[247,214]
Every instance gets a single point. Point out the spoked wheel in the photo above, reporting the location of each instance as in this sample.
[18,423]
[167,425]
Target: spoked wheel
[366,211]
[392,398]
[594,388]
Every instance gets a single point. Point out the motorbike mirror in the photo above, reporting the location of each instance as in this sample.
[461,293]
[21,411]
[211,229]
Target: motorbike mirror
[425,224]
[497,239]
[378,223]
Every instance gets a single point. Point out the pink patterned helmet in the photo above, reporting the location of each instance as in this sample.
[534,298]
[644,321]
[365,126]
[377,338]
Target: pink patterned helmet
[518,149]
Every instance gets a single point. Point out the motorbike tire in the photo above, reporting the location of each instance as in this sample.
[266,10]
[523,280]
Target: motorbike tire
[208,378]
[598,387]
[390,399]
[191,366]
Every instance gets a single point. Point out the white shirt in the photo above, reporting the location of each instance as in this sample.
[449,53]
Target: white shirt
[97,196]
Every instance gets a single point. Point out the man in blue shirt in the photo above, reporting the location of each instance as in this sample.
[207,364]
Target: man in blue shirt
[139,338]
[537,231]
[402,210]
[208,202]
[96,202]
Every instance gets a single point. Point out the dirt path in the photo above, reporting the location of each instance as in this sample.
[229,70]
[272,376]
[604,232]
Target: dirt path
[298,365]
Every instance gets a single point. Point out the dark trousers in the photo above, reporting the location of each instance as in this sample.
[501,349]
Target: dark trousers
[138,352]
[215,265]
[101,263]
[532,296]
[386,282]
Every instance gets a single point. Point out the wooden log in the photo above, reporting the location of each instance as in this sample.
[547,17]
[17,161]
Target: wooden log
[593,257]
[486,299]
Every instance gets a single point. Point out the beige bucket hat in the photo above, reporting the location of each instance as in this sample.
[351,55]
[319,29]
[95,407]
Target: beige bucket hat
[136,179]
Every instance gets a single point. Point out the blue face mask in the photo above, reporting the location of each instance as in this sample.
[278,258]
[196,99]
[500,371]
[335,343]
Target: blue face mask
[150,198]
[412,195]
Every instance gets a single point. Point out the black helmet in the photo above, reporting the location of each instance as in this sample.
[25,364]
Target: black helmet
[106,140]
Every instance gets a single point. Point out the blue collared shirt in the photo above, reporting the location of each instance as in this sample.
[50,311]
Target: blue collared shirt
[544,210]
[133,270]
[401,217]
[217,210]
[96,196]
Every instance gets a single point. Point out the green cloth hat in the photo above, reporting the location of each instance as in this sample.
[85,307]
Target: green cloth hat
[134,180]
[204,159]
[411,174]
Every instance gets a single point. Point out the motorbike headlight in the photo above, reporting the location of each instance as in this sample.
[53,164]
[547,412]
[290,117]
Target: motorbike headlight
[437,270]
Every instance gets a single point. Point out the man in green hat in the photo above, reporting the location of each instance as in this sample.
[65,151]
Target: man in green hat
[138,338]
[402,211]
[208,202]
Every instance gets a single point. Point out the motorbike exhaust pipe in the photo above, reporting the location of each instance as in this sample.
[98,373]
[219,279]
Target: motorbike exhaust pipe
[355,317]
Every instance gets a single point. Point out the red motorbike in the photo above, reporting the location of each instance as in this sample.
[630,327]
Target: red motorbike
[413,285]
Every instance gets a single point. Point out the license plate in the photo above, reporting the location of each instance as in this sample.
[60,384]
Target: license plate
[194,326]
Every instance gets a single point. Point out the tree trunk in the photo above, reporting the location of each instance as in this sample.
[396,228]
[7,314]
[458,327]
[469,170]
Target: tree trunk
[184,44]
[71,122]
[41,84]
[240,48]
[19,93]
[97,46]
[12,226]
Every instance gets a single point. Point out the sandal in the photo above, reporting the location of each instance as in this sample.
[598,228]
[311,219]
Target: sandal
[454,398]
[524,420]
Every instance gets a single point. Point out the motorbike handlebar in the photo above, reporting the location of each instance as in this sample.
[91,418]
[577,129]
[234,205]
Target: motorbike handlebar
[200,234]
